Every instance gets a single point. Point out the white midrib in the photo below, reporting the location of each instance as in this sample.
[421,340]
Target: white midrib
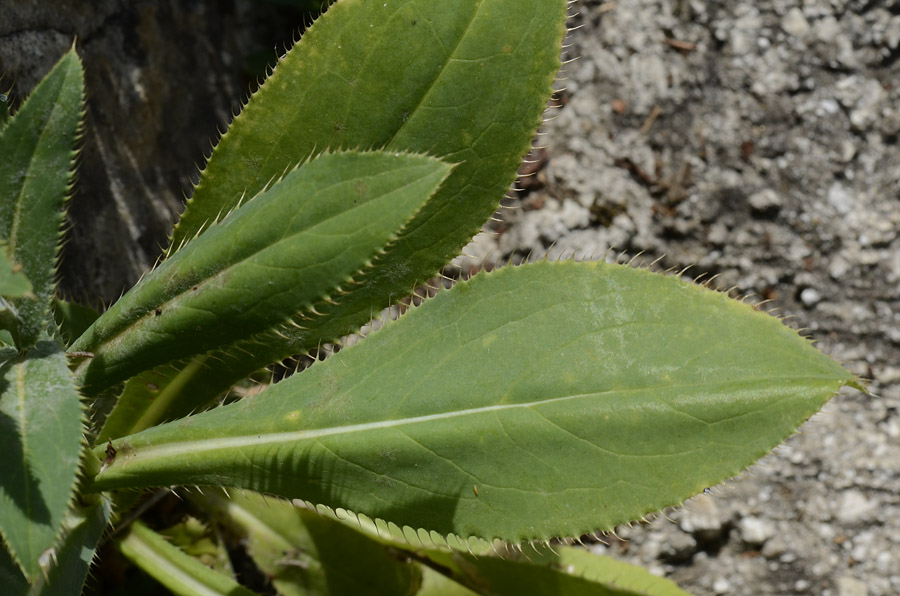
[143,455]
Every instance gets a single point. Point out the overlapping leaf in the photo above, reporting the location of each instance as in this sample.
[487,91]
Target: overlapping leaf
[40,439]
[465,80]
[71,560]
[550,399]
[38,150]
[306,554]
[269,260]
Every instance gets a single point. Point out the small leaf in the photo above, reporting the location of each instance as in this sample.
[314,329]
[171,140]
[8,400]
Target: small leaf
[38,149]
[83,529]
[263,264]
[180,573]
[72,318]
[552,399]
[40,439]
[306,554]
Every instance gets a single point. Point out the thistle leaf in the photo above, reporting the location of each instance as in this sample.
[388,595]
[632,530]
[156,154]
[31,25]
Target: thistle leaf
[552,399]
[40,439]
[265,263]
[182,574]
[473,95]
[38,149]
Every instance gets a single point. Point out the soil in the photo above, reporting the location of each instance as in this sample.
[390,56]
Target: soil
[755,141]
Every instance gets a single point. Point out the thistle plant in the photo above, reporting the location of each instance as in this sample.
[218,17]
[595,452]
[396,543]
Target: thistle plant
[519,408]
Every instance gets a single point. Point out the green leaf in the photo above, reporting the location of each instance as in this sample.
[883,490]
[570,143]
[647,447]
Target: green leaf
[550,399]
[154,396]
[180,573]
[84,527]
[11,577]
[465,80]
[306,554]
[72,318]
[13,283]
[38,149]
[196,539]
[269,261]
[569,570]
[40,439]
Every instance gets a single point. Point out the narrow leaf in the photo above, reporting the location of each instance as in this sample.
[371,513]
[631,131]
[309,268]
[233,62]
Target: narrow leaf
[263,264]
[570,571]
[40,439]
[38,149]
[306,554]
[180,573]
[72,318]
[83,529]
[550,399]
[464,80]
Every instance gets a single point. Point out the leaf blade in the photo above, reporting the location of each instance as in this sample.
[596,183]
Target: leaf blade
[306,554]
[180,573]
[474,95]
[38,145]
[573,405]
[40,415]
[268,261]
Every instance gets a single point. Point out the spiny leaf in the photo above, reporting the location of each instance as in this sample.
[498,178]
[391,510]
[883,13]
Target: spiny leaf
[569,570]
[72,318]
[306,554]
[465,80]
[40,439]
[38,149]
[550,399]
[11,577]
[180,573]
[266,262]
[83,528]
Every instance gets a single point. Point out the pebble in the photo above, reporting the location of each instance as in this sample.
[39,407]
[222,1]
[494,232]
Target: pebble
[754,531]
[794,23]
[810,297]
[854,507]
[850,586]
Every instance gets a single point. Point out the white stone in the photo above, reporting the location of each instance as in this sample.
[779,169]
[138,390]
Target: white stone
[850,586]
[854,507]
[721,586]
[840,199]
[810,297]
[755,531]
[794,23]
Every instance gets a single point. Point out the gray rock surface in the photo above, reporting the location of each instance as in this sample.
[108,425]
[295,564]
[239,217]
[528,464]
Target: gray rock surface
[756,141]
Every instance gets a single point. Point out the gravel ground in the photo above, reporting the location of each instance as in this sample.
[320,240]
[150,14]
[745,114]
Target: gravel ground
[759,142]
